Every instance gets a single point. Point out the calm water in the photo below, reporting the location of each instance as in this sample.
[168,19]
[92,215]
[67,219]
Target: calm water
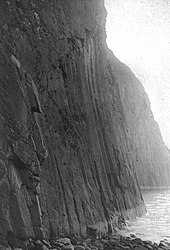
[155,225]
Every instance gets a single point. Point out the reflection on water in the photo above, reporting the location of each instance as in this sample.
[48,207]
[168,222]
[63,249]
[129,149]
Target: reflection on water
[155,225]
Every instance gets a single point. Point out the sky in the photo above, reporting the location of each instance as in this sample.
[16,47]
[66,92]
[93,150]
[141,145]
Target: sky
[138,33]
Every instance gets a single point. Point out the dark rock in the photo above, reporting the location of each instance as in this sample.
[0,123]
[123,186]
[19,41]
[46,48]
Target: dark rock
[79,247]
[64,241]
[164,245]
[93,248]
[124,247]
[39,245]
[140,248]
[87,248]
[4,248]
[70,113]
[132,236]
[67,247]
[98,244]
[46,243]
[75,240]
[56,244]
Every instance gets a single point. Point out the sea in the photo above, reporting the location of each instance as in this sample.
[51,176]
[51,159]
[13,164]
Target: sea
[155,224]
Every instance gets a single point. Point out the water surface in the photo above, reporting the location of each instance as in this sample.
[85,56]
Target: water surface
[155,225]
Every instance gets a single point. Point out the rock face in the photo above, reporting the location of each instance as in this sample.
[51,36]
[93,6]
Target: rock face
[152,157]
[65,162]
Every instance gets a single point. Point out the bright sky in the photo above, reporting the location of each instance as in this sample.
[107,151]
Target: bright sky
[138,33]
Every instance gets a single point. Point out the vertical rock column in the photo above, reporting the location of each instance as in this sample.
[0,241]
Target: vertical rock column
[23,152]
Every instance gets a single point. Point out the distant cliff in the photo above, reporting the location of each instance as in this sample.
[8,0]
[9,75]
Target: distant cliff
[152,157]
[73,124]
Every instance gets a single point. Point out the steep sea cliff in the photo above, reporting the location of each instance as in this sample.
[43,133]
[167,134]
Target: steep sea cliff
[75,125]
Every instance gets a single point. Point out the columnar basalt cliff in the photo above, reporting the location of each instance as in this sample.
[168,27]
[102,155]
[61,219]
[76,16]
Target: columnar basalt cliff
[66,165]
[150,152]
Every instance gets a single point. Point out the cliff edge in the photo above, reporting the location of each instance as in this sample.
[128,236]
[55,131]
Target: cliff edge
[152,157]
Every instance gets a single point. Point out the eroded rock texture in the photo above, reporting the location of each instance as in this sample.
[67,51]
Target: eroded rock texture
[65,165]
[151,155]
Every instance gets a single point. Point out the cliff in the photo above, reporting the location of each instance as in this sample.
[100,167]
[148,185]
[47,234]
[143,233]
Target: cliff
[65,161]
[152,157]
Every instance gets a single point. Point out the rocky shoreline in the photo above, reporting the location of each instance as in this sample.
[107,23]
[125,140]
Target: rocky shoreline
[112,242]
